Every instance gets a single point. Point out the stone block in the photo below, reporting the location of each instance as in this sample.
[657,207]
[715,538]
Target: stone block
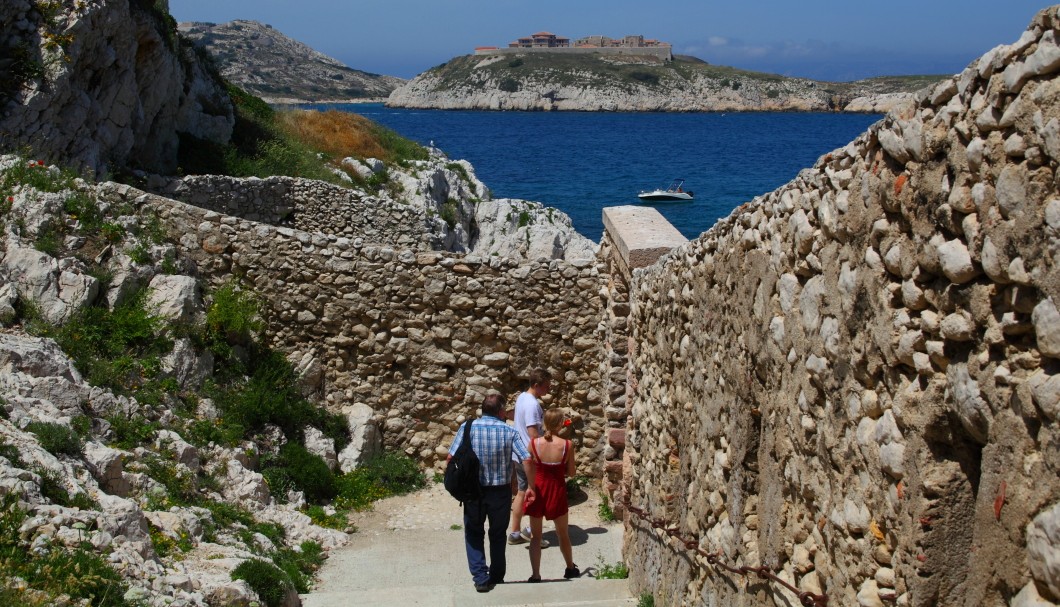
[641,234]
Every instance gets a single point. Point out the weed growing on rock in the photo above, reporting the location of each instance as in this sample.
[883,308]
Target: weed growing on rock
[646,600]
[610,571]
[604,509]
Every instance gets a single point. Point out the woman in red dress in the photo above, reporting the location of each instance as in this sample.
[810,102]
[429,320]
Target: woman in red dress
[554,461]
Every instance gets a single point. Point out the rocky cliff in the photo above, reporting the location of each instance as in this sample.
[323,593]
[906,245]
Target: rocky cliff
[540,81]
[258,58]
[103,85]
[851,385]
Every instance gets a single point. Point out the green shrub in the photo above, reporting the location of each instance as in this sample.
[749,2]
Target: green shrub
[52,487]
[524,219]
[509,85]
[299,565]
[296,468]
[646,77]
[515,62]
[131,431]
[646,600]
[267,580]
[459,169]
[57,439]
[234,316]
[448,213]
[271,396]
[181,487]
[49,241]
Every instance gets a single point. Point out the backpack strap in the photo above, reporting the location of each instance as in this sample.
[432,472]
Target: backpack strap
[467,436]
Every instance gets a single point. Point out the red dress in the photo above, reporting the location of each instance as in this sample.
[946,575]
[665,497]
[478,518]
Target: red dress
[550,484]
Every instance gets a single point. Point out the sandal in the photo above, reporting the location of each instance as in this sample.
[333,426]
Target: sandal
[534,579]
[571,572]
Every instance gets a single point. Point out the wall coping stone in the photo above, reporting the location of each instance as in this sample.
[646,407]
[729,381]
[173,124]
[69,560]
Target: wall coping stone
[641,234]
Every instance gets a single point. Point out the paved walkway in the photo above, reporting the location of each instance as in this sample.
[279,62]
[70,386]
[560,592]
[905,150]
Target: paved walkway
[406,552]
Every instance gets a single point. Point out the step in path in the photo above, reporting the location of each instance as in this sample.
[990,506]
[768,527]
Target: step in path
[406,552]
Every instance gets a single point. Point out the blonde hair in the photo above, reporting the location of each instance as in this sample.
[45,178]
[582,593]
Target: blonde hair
[553,422]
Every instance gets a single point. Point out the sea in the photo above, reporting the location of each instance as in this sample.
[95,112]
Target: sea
[581,162]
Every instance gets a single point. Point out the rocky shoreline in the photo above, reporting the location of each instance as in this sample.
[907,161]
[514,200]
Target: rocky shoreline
[588,84]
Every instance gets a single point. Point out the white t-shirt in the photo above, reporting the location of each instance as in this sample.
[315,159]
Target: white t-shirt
[528,413]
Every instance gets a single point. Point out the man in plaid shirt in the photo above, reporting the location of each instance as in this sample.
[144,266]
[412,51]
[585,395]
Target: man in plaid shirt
[494,442]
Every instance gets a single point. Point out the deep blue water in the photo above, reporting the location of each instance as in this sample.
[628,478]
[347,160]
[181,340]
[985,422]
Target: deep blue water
[581,162]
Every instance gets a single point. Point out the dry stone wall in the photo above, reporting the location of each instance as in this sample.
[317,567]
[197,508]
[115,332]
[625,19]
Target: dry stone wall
[855,380]
[418,336]
[303,204]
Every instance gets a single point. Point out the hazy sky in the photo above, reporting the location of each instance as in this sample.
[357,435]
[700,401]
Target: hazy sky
[823,39]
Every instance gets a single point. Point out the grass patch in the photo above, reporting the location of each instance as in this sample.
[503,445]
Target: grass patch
[296,143]
[382,476]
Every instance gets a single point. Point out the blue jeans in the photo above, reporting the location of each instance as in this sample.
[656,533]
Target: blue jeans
[495,505]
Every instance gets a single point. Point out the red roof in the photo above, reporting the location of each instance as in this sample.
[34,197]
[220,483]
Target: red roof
[485,48]
[543,34]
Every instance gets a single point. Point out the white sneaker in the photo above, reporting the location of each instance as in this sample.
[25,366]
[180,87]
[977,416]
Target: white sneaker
[528,535]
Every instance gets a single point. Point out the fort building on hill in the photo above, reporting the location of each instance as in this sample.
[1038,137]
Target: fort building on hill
[551,43]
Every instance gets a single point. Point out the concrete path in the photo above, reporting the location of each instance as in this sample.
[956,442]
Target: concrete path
[406,552]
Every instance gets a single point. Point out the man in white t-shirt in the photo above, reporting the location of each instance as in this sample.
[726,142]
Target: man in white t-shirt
[528,418]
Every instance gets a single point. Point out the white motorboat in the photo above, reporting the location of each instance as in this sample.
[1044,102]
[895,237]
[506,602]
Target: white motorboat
[674,192]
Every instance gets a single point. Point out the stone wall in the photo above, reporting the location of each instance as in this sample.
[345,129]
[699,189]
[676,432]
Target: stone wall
[304,204]
[419,336]
[855,380]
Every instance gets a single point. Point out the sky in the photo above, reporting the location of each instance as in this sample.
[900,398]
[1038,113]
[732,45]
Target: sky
[821,39]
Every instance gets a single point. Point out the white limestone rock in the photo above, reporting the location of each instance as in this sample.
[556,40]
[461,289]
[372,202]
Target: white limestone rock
[1043,550]
[956,261]
[1046,320]
[107,467]
[365,439]
[971,409]
[37,276]
[318,444]
[175,298]
[519,229]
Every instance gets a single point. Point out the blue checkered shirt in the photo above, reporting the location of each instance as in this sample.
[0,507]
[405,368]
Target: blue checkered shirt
[494,442]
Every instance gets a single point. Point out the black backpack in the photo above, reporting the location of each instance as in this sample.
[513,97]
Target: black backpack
[461,473]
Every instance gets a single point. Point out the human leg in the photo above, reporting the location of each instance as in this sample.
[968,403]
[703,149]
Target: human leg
[517,506]
[498,501]
[474,541]
[565,547]
[535,547]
